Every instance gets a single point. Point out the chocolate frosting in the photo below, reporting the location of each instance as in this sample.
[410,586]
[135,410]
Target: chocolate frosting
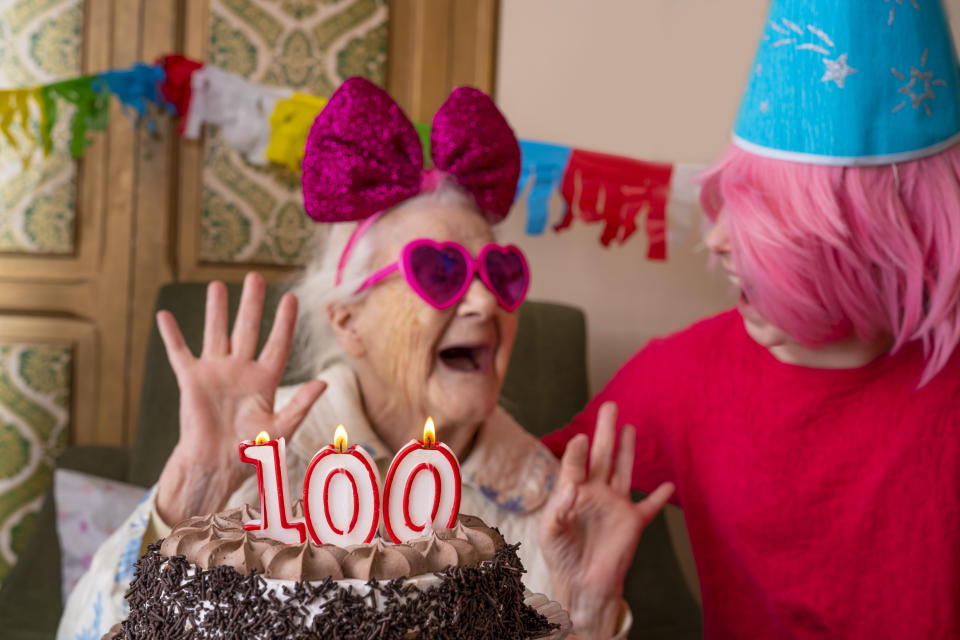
[220,540]
[451,552]
[383,560]
[472,529]
[182,541]
[304,562]
[242,553]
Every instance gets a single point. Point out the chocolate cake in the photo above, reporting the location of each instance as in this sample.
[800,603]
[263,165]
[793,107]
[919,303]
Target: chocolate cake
[211,579]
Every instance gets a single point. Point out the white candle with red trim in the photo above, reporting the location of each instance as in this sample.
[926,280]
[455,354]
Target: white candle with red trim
[276,521]
[341,494]
[422,491]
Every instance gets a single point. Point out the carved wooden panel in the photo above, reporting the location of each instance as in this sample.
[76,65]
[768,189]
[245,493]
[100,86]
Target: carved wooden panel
[44,404]
[234,217]
[41,43]
[116,192]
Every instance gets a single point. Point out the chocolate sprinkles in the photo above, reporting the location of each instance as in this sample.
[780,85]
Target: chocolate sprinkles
[169,599]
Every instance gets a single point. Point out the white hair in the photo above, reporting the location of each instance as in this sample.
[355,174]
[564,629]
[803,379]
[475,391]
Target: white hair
[316,346]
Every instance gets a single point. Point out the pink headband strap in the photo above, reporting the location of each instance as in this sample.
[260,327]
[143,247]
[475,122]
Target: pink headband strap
[431,181]
[351,243]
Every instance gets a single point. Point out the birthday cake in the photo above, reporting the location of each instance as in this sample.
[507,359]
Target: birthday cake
[210,578]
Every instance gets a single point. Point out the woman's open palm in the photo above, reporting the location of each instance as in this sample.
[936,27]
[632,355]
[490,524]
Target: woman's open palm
[227,393]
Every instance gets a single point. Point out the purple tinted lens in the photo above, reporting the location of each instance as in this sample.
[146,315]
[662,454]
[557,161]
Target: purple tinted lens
[507,275]
[440,273]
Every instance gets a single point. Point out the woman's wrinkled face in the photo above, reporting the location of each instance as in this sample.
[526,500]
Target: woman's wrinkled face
[445,363]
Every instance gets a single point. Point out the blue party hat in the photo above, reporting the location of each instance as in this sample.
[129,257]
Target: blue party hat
[852,82]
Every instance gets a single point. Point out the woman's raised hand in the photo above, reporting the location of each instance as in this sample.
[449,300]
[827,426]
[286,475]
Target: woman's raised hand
[226,395]
[590,527]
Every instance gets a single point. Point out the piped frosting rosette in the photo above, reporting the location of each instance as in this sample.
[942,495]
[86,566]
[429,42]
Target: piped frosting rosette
[220,540]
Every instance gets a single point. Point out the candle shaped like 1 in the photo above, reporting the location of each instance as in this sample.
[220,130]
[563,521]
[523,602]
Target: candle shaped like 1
[422,488]
[341,494]
[270,458]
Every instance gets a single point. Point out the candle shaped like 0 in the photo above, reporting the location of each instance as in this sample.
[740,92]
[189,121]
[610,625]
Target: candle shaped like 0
[423,487]
[343,486]
[270,458]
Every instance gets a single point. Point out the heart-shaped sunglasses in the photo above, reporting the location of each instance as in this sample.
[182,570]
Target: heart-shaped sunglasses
[441,272]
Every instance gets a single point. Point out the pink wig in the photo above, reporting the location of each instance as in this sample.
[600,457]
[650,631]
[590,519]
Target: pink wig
[824,252]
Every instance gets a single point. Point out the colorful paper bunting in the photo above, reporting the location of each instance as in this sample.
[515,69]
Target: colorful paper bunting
[683,206]
[91,96]
[240,108]
[176,88]
[546,163]
[138,89]
[271,124]
[14,103]
[423,130]
[289,126]
[599,187]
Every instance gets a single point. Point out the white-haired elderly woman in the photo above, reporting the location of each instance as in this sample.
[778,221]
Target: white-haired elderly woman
[401,322]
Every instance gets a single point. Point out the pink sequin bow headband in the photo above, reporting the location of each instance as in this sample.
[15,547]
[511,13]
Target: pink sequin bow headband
[364,156]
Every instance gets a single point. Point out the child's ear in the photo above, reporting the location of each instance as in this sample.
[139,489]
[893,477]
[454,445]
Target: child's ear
[342,319]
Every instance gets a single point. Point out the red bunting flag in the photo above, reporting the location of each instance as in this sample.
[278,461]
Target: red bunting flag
[176,88]
[599,187]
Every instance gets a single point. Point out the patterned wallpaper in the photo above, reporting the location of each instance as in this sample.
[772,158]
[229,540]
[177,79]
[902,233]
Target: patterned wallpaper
[40,41]
[255,214]
[35,382]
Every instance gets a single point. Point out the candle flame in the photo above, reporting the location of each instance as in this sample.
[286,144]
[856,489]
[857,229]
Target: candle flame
[340,440]
[262,438]
[429,433]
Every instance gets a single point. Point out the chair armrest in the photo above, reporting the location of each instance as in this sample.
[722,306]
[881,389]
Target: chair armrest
[30,599]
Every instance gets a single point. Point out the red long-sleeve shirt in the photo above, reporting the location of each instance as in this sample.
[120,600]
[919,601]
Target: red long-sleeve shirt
[820,503]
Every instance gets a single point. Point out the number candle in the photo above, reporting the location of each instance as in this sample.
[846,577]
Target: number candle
[341,494]
[422,491]
[276,521]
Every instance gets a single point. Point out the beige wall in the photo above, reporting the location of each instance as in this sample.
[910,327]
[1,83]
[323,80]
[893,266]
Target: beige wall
[652,79]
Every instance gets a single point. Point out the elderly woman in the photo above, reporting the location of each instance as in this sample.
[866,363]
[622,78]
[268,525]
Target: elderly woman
[397,328]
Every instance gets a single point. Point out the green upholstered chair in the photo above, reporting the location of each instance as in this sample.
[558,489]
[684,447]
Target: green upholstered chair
[546,385]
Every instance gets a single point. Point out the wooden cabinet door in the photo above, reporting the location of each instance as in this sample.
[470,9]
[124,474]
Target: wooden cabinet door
[67,257]
[67,250]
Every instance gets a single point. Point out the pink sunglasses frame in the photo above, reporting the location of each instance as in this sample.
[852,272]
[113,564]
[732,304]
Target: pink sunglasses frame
[475,266]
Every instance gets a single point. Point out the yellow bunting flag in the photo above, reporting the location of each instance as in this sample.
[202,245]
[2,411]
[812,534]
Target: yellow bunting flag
[6,115]
[289,125]
[13,102]
[15,105]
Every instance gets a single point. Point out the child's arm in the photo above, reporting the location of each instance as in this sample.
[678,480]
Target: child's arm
[635,390]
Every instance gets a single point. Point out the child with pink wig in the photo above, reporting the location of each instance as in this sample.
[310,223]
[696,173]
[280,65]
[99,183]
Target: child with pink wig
[813,433]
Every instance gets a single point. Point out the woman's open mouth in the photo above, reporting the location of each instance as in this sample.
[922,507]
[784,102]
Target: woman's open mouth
[467,358]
